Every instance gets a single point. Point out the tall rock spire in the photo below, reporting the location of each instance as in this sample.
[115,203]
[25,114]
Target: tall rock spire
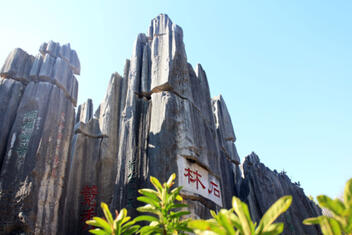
[38,137]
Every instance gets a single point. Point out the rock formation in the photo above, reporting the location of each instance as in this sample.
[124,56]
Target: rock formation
[261,187]
[156,119]
[38,95]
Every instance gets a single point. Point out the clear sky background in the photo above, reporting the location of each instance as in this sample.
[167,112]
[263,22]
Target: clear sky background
[284,68]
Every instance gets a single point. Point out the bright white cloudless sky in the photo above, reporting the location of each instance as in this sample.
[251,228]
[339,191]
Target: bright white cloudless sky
[284,68]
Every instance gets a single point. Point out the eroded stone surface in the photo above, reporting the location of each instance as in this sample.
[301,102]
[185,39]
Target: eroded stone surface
[39,115]
[35,160]
[10,97]
[65,52]
[261,187]
[17,66]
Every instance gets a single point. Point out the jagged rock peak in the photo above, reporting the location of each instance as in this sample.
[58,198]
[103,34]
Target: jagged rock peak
[85,111]
[17,65]
[160,25]
[65,52]
[54,64]
[261,187]
[252,159]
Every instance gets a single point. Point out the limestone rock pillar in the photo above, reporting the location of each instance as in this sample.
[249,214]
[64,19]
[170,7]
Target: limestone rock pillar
[34,160]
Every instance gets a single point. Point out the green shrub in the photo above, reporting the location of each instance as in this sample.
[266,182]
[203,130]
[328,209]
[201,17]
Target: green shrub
[166,216]
[117,226]
[341,220]
[237,220]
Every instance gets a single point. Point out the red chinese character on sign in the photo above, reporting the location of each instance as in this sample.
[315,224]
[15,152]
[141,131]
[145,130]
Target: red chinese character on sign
[193,176]
[214,187]
[87,215]
[89,193]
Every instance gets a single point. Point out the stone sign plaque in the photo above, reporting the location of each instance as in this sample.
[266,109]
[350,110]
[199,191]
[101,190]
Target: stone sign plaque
[198,180]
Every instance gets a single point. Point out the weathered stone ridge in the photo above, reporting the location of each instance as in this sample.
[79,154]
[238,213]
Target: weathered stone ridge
[157,118]
[57,68]
[261,187]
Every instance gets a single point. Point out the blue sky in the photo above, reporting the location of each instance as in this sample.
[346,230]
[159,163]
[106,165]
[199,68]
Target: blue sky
[284,68]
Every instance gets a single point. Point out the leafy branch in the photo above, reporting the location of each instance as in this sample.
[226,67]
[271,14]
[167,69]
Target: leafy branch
[237,220]
[165,215]
[341,211]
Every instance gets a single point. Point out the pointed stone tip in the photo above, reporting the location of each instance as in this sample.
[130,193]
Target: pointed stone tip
[115,77]
[142,37]
[198,69]
[64,51]
[20,49]
[252,158]
[159,25]
[17,64]
[162,16]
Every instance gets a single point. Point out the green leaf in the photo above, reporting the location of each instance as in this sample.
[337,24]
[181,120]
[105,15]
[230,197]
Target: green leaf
[235,221]
[170,181]
[117,226]
[149,200]
[174,194]
[148,229]
[149,209]
[176,190]
[93,223]
[123,213]
[347,196]
[125,219]
[226,222]
[179,198]
[312,221]
[98,231]
[131,230]
[119,220]
[107,213]
[126,225]
[176,206]
[145,218]
[335,226]
[99,222]
[199,224]
[348,228]
[164,195]
[156,183]
[179,214]
[213,213]
[273,229]
[335,206]
[205,225]
[280,206]
[150,193]
[241,210]
[329,226]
